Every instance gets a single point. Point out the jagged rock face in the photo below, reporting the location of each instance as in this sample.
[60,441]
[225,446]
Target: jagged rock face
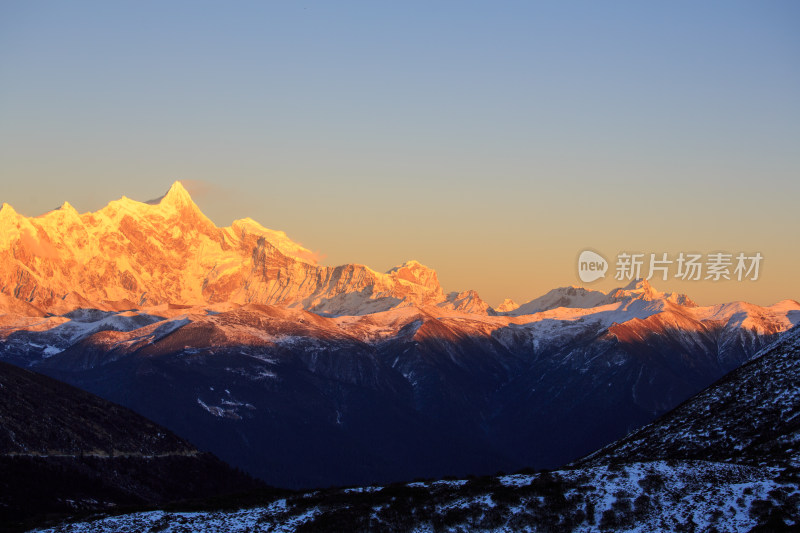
[167,251]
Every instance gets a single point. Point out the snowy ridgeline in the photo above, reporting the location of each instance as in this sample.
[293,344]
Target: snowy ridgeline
[643,497]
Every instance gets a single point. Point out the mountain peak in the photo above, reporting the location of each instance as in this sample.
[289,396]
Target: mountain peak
[640,289]
[573,297]
[507,305]
[177,196]
[638,284]
[68,208]
[466,301]
[415,272]
[411,265]
[7,210]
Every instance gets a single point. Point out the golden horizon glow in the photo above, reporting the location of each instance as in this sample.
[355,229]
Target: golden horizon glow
[496,280]
[491,144]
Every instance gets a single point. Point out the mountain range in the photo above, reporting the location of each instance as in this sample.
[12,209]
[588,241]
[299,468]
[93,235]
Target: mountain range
[310,376]
[134,254]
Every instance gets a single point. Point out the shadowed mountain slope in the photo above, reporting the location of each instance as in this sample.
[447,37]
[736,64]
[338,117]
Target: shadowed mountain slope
[751,416]
[724,461]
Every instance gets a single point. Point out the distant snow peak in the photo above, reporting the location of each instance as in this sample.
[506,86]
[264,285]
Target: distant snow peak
[415,272]
[637,288]
[638,284]
[577,297]
[466,302]
[507,305]
[640,289]
[572,297]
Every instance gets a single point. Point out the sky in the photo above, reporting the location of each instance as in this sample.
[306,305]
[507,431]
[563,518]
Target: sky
[491,141]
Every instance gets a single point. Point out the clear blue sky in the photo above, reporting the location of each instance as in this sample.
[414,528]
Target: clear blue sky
[492,141]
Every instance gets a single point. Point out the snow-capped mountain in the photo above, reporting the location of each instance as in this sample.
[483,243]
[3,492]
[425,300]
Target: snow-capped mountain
[641,289]
[581,298]
[573,297]
[132,254]
[506,305]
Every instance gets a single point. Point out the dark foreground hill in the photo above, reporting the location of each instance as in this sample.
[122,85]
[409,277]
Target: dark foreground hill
[64,451]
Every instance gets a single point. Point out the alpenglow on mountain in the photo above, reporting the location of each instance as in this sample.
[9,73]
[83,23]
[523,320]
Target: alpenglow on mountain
[166,251]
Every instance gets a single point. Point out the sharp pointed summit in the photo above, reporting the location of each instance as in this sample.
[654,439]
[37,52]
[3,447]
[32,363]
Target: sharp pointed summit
[507,305]
[177,194]
[7,210]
